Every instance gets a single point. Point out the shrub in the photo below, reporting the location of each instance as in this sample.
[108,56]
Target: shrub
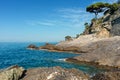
[68,38]
[77,35]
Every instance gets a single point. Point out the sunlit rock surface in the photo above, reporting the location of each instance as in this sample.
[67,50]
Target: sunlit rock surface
[55,73]
[11,73]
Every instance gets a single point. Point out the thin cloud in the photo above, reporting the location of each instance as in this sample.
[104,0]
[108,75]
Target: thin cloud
[68,17]
[75,17]
[71,10]
[107,1]
[46,23]
[40,23]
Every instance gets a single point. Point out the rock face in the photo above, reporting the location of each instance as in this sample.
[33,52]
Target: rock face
[114,19]
[11,73]
[48,46]
[103,52]
[109,22]
[32,46]
[113,75]
[55,73]
[52,47]
[116,27]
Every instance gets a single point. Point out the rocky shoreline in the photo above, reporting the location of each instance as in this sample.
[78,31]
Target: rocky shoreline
[100,52]
[103,67]
[103,53]
[54,73]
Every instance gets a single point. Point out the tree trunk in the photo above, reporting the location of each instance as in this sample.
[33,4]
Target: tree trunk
[96,14]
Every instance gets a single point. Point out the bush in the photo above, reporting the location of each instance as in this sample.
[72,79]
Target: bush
[77,35]
[68,38]
[100,20]
[114,7]
[93,20]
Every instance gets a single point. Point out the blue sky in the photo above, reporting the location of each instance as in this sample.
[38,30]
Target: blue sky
[43,20]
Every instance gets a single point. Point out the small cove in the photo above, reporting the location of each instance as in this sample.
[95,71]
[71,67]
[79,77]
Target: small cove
[17,54]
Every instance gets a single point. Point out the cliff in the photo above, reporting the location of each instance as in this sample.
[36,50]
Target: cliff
[106,26]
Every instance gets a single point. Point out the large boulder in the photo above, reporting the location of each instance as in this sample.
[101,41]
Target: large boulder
[55,73]
[12,73]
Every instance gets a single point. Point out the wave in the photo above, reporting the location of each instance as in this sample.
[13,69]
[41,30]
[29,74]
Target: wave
[61,59]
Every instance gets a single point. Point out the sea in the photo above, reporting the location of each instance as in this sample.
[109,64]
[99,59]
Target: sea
[16,53]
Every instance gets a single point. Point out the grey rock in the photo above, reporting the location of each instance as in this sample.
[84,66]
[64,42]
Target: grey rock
[103,52]
[112,75]
[55,73]
[11,73]
[114,19]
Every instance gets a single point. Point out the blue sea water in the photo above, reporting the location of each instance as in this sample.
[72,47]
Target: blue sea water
[14,53]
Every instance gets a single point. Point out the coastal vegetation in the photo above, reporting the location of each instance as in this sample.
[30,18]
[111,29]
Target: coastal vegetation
[68,38]
[97,8]
[100,7]
[96,22]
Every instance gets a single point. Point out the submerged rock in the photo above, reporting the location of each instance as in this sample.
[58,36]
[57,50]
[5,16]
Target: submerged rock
[12,73]
[55,73]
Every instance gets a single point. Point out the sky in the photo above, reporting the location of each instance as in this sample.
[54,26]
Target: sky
[43,20]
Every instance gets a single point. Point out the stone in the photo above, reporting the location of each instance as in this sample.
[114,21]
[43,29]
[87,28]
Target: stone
[12,73]
[47,46]
[105,52]
[32,46]
[55,73]
[112,75]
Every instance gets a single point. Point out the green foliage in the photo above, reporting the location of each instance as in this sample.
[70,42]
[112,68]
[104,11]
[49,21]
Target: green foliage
[81,34]
[97,8]
[77,35]
[68,38]
[103,7]
[100,20]
[86,25]
[93,20]
[113,7]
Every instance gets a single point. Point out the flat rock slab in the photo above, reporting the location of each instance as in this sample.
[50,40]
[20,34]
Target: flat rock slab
[55,73]
[106,52]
